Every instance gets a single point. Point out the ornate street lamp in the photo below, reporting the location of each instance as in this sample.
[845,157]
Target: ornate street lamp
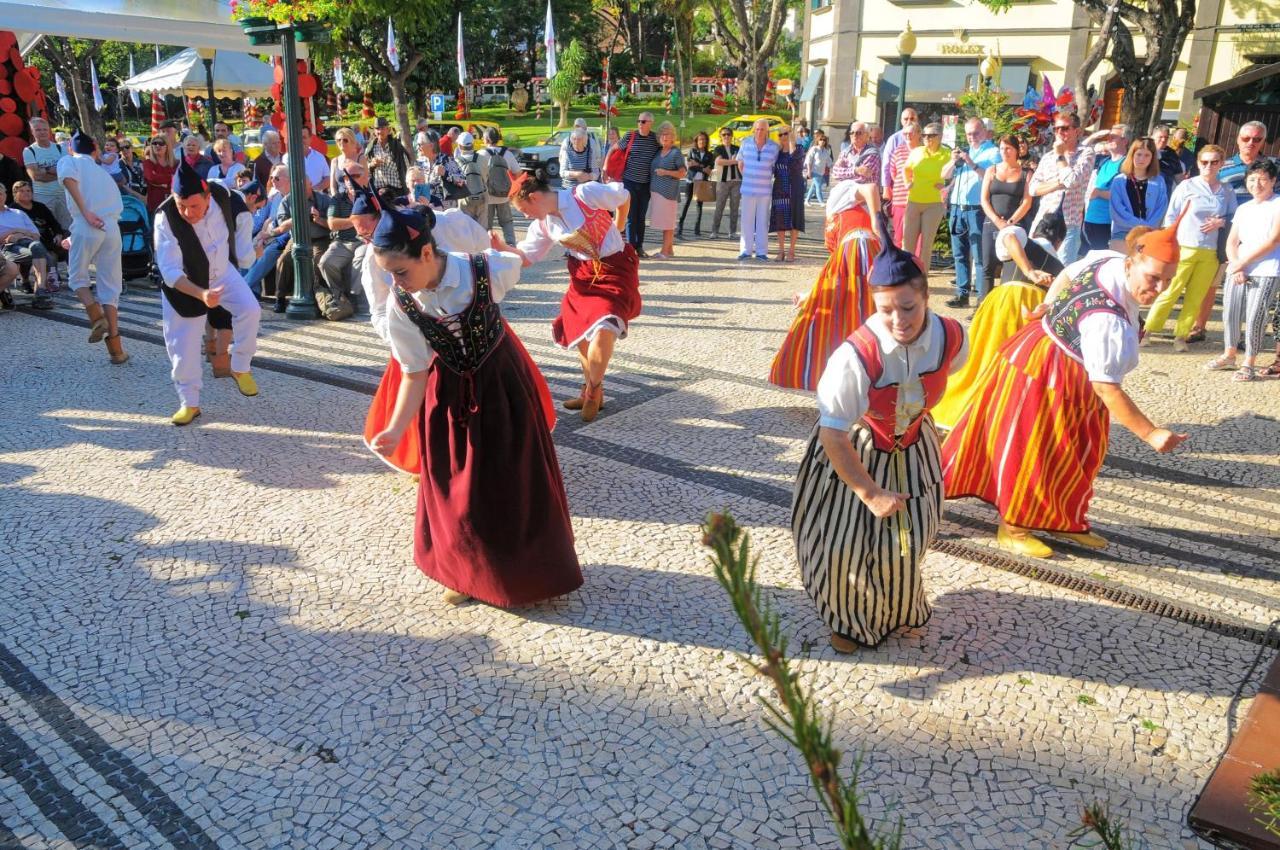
[206,55]
[906,46]
[989,67]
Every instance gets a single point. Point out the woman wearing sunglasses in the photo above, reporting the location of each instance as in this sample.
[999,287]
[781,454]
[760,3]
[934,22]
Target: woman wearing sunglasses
[158,169]
[1209,205]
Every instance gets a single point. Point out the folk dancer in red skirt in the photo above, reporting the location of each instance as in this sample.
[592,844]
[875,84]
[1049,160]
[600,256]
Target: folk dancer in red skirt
[1035,434]
[868,497]
[840,300]
[454,230]
[493,520]
[604,272]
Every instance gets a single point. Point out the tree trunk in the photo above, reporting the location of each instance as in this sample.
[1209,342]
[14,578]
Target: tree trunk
[1091,60]
[400,97]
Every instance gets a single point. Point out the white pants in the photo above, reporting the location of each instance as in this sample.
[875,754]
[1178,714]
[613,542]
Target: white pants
[755,224]
[100,249]
[184,336]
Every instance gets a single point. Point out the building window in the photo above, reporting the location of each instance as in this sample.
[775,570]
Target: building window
[819,5]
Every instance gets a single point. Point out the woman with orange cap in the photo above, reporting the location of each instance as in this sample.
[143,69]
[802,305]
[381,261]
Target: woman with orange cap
[604,272]
[1035,435]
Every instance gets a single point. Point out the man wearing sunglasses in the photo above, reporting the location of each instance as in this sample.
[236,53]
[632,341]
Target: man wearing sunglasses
[1062,179]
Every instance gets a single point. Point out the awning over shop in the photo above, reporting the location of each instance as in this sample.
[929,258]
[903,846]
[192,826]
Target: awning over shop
[941,82]
[811,83]
[187,23]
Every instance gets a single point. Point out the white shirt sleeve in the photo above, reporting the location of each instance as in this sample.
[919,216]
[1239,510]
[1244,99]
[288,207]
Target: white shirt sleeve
[377,290]
[962,356]
[408,346]
[537,241]
[504,272]
[842,390]
[604,197]
[244,239]
[1109,346]
[168,253]
[457,232]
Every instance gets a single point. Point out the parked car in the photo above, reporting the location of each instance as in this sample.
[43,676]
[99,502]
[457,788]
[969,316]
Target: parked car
[741,126]
[549,152]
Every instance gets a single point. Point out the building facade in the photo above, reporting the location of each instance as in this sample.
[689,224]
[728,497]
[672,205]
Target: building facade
[853,70]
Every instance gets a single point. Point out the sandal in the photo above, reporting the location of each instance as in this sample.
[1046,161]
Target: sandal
[1272,371]
[1223,362]
[1245,374]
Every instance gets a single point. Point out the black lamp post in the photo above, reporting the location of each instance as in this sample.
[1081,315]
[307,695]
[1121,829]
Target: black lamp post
[206,56]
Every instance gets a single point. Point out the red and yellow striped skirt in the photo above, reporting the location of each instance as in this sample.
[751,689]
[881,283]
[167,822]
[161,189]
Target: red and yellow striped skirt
[1033,439]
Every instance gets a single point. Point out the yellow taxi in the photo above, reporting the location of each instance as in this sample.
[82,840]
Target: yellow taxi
[741,127]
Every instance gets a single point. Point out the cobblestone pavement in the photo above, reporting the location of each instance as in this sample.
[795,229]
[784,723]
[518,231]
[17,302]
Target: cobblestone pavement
[215,636]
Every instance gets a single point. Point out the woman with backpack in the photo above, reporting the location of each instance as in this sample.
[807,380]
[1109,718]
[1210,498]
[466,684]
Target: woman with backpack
[604,271]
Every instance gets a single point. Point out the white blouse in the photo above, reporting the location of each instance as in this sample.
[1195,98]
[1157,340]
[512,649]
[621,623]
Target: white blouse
[451,297]
[844,386]
[1255,221]
[455,232]
[544,234]
[1108,343]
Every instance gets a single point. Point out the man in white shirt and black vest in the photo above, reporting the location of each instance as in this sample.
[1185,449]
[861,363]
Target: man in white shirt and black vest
[198,246]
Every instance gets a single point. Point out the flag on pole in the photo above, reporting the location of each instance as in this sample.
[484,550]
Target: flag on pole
[338,82]
[549,39]
[664,61]
[133,95]
[393,54]
[62,91]
[157,54]
[462,59]
[98,102]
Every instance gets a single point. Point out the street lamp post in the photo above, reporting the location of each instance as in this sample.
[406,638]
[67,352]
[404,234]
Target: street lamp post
[989,67]
[302,305]
[906,46]
[206,55]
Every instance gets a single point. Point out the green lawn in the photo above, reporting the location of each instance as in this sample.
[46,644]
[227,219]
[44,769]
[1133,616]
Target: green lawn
[528,130]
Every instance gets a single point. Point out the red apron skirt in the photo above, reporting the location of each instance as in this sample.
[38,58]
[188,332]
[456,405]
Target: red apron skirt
[610,288]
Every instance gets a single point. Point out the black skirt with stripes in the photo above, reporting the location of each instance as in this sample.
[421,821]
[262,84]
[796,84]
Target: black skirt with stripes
[862,572]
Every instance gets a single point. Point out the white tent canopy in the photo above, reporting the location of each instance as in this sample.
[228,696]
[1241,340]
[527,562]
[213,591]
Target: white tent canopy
[234,75]
[186,23]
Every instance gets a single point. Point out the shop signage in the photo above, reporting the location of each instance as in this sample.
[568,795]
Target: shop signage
[960,49]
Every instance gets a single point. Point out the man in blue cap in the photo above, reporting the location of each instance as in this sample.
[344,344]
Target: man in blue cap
[95,204]
[200,231]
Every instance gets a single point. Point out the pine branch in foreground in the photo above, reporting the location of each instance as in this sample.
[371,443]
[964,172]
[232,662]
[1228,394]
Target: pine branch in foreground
[793,715]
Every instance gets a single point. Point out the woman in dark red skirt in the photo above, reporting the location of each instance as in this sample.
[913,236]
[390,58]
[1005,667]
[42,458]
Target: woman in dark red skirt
[493,519]
[604,272]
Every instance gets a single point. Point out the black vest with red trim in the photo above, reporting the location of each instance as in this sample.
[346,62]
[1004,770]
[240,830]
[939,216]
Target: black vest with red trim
[1083,297]
[195,261]
[882,409]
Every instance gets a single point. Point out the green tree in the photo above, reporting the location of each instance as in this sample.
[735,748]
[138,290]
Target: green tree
[564,85]
[1164,25]
[750,33]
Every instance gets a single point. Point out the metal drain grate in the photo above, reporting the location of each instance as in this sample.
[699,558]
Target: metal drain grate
[1091,587]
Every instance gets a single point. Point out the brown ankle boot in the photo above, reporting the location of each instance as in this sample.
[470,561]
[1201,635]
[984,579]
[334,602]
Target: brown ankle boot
[221,365]
[115,349]
[592,402]
[97,322]
[576,403]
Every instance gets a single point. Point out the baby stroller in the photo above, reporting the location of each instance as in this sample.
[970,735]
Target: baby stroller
[135,240]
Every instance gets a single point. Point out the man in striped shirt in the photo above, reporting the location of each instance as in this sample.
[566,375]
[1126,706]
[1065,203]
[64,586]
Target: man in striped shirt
[642,147]
[756,158]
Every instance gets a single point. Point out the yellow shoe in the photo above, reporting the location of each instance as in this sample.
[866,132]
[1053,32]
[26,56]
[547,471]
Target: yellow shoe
[185,415]
[1020,542]
[245,382]
[1083,538]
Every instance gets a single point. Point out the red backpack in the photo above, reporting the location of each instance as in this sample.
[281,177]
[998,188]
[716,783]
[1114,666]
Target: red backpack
[615,162]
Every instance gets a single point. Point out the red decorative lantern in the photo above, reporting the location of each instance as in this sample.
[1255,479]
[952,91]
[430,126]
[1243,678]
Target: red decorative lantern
[366,111]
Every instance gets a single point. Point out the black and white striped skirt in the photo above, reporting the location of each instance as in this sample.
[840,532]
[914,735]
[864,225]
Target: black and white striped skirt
[862,572]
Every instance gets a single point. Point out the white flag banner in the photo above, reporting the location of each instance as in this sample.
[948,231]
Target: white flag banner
[549,40]
[338,82]
[157,54]
[462,59]
[133,95]
[62,92]
[393,55]
[98,102]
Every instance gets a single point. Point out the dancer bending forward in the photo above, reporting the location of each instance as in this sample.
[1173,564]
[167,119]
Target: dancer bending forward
[493,519]
[1035,434]
[604,272]
[868,497]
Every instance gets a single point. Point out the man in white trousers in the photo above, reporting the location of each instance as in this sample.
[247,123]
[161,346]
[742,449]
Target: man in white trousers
[198,247]
[755,159]
[94,201]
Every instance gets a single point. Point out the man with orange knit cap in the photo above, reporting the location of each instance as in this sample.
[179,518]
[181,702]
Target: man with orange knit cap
[1035,436]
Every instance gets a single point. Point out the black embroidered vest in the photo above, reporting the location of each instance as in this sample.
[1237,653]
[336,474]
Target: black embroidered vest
[1085,295]
[195,262]
[461,341]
